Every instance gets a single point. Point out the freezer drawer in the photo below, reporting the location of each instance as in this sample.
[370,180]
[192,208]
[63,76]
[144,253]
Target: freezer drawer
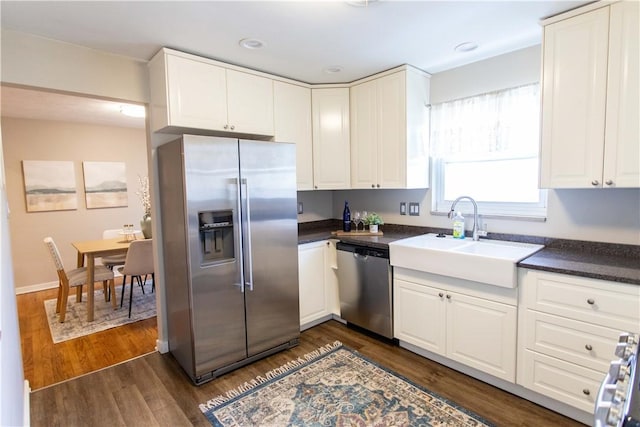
[364,280]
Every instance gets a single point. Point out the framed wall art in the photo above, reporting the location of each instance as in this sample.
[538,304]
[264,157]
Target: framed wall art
[49,185]
[105,184]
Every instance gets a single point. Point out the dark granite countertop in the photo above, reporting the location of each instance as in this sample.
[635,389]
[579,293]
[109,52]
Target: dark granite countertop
[606,261]
[616,268]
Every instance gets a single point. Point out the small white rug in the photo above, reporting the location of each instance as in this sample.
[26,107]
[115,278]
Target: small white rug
[105,317]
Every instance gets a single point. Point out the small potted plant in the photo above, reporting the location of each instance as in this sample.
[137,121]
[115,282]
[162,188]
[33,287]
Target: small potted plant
[373,220]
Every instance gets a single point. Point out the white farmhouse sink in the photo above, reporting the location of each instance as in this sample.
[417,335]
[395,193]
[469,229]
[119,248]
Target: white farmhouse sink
[486,261]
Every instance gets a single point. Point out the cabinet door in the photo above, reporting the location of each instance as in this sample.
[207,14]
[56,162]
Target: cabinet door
[391,126]
[622,146]
[197,94]
[364,138]
[311,269]
[331,150]
[482,334]
[250,103]
[292,118]
[573,101]
[419,316]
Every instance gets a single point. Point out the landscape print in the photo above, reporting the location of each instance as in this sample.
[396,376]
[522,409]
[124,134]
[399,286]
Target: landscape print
[105,184]
[49,185]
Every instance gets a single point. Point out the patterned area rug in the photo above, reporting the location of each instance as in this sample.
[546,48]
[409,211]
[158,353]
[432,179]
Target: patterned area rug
[105,317]
[334,386]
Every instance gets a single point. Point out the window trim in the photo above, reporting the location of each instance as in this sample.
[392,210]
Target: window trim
[500,210]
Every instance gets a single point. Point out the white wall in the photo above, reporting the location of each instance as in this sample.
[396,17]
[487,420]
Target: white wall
[12,398]
[39,62]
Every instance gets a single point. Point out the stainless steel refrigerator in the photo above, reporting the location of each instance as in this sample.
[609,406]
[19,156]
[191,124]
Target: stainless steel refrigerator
[228,209]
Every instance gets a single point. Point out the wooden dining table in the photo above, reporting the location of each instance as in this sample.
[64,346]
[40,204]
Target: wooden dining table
[91,249]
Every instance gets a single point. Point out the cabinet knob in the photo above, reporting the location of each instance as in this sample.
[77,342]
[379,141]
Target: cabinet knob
[595,182]
[226,126]
[315,186]
[440,294]
[591,301]
[588,347]
[328,243]
[608,182]
[378,185]
[586,391]
[373,186]
[232,127]
[448,296]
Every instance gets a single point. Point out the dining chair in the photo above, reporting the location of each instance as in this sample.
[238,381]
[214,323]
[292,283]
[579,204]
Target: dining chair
[112,261]
[76,278]
[138,263]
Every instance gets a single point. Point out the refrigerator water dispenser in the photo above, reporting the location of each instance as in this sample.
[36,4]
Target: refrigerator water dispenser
[216,236]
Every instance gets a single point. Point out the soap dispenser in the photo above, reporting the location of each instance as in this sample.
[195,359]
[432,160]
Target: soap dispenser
[458,226]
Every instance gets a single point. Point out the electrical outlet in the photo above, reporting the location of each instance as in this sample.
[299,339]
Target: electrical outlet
[414,209]
[300,208]
[403,208]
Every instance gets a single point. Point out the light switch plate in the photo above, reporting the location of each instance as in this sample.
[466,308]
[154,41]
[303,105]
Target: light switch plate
[414,209]
[403,208]
[300,208]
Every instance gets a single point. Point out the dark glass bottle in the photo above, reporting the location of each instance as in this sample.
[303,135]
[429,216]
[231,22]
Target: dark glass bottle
[346,217]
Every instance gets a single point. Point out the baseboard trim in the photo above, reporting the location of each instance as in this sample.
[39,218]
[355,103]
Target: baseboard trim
[37,287]
[26,416]
[162,346]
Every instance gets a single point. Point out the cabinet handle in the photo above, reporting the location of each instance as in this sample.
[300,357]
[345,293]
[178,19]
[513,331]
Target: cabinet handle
[595,182]
[226,126]
[440,294]
[588,347]
[448,296]
[591,301]
[232,127]
[586,391]
[608,182]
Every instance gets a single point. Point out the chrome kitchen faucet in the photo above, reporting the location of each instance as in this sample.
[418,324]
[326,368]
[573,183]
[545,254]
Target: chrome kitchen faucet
[475,214]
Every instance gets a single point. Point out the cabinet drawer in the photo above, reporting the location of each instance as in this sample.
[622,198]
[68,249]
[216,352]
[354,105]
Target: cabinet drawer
[604,303]
[566,382]
[573,341]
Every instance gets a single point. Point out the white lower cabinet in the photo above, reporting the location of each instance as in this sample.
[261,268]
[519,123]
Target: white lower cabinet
[318,282]
[567,333]
[459,320]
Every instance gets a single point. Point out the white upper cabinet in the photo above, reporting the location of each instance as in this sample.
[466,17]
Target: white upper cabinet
[292,118]
[590,130]
[188,92]
[249,103]
[331,146]
[390,131]
[622,134]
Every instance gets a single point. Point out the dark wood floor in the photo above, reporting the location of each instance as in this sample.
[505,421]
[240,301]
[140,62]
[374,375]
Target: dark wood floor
[153,390]
[46,363]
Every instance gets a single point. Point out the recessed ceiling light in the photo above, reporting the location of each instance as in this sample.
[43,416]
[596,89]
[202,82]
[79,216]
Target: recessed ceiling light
[333,69]
[361,3]
[131,110]
[252,43]
[466,47]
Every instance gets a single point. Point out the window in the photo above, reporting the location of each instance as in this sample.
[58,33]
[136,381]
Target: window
[487,147]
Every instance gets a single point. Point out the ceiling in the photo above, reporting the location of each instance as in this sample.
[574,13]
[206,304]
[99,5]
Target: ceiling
[302,39]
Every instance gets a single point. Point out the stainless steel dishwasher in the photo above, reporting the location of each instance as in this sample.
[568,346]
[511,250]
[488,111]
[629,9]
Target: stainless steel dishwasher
[364,282]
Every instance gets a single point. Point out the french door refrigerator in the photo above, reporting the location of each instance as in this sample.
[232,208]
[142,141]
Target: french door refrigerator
[229,230]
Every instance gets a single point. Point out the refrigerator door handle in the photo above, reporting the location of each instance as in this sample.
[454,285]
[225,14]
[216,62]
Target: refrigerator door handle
[239,236]
[247,221]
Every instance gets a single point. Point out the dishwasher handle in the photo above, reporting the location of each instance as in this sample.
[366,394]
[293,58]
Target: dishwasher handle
[363,251]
